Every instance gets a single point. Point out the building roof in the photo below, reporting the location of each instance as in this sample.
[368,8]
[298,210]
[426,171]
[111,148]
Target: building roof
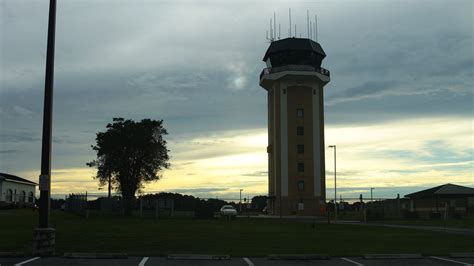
[300,44]
[4,176]
[444,190]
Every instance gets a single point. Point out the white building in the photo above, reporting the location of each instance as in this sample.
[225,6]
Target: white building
[16,190]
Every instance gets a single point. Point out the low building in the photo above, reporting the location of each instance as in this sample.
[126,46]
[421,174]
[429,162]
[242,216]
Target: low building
[15,190]
[448,199]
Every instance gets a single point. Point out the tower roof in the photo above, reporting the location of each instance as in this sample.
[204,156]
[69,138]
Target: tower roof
[294,44]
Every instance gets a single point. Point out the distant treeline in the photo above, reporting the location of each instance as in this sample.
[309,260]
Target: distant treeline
[202,207]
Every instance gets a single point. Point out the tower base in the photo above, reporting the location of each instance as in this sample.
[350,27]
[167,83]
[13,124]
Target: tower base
[296,206]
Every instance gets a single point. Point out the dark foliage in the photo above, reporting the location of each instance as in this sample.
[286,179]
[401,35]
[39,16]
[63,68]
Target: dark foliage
[204,209]
[259,202]
[57,203]
[130,154]
[181,202]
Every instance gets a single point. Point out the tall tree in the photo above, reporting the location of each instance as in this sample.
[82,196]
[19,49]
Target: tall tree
[130,154]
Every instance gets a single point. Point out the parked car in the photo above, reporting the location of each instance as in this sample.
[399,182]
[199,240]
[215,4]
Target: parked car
[228,210]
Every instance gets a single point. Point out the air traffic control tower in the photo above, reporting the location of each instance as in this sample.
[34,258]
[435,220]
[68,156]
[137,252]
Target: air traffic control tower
[294,80]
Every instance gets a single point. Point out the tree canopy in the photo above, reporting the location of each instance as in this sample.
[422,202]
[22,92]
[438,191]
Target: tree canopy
[130,154]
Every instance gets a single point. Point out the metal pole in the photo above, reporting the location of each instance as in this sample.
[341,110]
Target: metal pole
[371,197]
[240,200]
[45,177]
[280,206]
[335,193]
[110,187]
[335,188]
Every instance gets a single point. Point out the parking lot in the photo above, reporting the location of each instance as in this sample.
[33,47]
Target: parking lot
[234,261]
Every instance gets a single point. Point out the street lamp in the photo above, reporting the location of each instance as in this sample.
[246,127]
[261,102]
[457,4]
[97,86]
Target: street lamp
[335,191]
[371,195]
[240,200]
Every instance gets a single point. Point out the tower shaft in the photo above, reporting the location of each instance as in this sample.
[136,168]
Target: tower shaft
[296,165]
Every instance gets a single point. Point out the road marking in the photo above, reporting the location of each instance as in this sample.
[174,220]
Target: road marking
[26,261]
[143,261]
[351,261]
[249,262]
[453,261]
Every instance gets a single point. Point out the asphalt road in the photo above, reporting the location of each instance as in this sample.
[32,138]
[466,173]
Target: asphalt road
[236,261]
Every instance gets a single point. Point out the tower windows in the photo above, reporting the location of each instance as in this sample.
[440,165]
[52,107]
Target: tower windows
[300,167]
[300,112]
[300,148]
[300,185]
[299,131]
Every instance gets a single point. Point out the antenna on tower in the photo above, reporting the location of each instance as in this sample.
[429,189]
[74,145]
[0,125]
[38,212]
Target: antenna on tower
[295,30]
[274,26]
[307,20]
[289,16]
[316,27]
[310,29]
[271,31]
[279,31]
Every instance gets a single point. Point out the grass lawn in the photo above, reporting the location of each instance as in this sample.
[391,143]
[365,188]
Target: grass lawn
[467,223]
[254,237]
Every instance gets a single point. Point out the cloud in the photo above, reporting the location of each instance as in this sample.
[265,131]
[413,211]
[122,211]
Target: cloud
[257,173]
[199,190]
[9,151]
[398,92]
[17,136]
[417,153]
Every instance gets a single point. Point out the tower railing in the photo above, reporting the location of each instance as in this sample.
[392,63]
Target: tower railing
[270,70]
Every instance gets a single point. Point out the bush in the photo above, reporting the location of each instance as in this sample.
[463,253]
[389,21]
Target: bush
[205,210]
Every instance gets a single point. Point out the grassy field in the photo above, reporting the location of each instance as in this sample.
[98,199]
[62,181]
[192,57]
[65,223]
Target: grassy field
[254,237]
[467,223]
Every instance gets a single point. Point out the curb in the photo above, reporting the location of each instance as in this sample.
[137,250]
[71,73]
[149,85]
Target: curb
[11,254]
[392,256]
[458,255]
[197,257]
[298,257]
[79,255]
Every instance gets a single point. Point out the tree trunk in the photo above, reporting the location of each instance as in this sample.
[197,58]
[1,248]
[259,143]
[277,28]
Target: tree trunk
[128,204]
[128,201]
[128,188]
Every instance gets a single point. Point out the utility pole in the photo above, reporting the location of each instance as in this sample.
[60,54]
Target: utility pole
[371,195]
[44,237]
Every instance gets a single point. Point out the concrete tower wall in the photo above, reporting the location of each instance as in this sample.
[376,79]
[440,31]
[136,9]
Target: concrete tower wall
[293,190]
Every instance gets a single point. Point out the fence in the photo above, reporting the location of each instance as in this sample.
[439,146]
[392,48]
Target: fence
[76,203]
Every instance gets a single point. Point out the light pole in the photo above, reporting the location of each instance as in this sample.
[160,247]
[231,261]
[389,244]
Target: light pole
[335,191]
[240,200]
[44,232]
[371,195]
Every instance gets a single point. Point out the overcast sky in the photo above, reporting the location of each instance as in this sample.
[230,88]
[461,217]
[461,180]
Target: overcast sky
[399,106]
